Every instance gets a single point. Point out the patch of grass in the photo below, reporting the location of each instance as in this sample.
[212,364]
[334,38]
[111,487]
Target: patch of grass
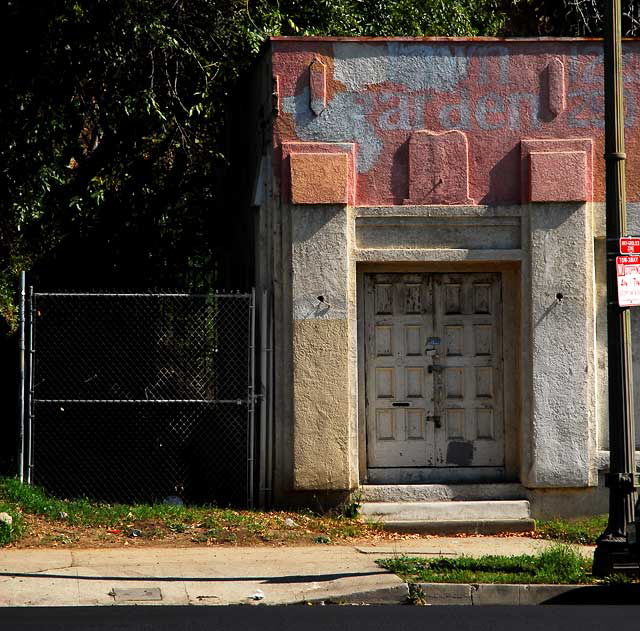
[208,523]
[583,530]
[558,564]
[36,501]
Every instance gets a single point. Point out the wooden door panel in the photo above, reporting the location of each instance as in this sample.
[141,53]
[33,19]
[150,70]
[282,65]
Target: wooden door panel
[398,312]
[468,389]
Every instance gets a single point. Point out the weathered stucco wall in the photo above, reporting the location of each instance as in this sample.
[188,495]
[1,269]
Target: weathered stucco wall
[324,432]
[562,358]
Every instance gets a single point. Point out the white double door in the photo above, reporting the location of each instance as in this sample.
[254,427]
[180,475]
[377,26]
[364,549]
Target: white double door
[433,365]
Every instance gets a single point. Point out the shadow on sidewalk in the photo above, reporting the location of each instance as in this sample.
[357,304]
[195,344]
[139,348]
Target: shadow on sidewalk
[268,580]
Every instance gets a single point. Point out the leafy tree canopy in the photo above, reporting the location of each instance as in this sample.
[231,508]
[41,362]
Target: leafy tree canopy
[113,115]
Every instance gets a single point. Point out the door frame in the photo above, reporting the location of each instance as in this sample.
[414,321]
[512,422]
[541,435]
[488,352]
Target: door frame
[511,352]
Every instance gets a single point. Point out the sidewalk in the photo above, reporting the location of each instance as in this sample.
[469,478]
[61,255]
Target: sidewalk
[226,575]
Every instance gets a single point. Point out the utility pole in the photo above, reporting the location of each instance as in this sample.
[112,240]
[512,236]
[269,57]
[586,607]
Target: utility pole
[616,550]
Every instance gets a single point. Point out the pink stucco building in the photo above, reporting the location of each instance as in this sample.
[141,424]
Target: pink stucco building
[429,232]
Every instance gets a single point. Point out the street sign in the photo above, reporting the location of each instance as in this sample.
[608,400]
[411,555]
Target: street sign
[628,274]
[629,245]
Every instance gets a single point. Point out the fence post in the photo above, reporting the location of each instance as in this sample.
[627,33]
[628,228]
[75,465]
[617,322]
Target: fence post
[262,459]
[22,385]
[29,390]
[251,402]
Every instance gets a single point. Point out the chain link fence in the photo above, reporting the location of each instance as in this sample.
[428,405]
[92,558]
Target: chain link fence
[134,397]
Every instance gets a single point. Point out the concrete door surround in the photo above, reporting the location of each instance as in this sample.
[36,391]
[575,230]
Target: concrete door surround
[548,343]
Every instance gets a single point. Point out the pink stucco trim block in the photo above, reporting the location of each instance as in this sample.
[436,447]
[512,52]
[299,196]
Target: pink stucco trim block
[558,176]
[557,170]
[319,178]
[556,87]
[317,87]
[318,173]
[438,168]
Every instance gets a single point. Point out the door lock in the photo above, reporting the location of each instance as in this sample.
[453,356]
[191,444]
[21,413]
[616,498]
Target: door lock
[436,421]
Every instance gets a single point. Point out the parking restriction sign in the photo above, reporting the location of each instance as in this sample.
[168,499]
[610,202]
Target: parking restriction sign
[629,245]
[628,274]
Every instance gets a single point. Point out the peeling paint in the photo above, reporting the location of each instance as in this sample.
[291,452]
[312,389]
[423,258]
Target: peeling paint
[343,120]
[498,93]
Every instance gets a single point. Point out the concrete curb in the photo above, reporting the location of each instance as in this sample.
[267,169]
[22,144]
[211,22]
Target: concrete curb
[396,595]
[494,594]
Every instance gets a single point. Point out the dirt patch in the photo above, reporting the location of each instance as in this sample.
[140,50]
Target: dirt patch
[44,533]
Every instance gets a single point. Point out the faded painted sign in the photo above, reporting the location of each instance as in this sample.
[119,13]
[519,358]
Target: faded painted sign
[377,93]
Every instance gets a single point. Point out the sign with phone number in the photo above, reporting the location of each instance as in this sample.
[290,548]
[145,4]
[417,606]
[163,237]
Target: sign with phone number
[628,274]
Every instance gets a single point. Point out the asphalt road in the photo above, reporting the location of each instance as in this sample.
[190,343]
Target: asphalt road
[318,618]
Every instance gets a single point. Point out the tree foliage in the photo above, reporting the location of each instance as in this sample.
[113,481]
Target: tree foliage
[113,119]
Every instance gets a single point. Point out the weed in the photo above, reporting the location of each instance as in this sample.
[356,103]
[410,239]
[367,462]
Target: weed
[322,539]
[417,595]
[200,538]
[351,507]
[256,528]
[216,533]
[10,532]
[233,518]
[152,533]
[618,579]
[64,539]
[211,522]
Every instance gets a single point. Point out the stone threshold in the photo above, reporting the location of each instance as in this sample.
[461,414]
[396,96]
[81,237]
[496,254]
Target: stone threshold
[443,492]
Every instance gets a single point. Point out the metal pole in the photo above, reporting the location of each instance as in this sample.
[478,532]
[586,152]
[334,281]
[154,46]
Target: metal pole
[613,552]
[262,463]
[30,388]
[21,392]
[270,396]
[251,398]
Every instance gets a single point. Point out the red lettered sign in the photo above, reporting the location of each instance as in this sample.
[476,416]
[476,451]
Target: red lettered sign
[630,245]
[628,273]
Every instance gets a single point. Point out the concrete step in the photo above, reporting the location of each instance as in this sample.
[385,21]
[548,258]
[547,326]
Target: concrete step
[446,511]
[459,526]
[441,492]
[441,517]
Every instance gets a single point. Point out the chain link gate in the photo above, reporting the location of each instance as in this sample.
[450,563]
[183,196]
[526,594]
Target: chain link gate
[134,397]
